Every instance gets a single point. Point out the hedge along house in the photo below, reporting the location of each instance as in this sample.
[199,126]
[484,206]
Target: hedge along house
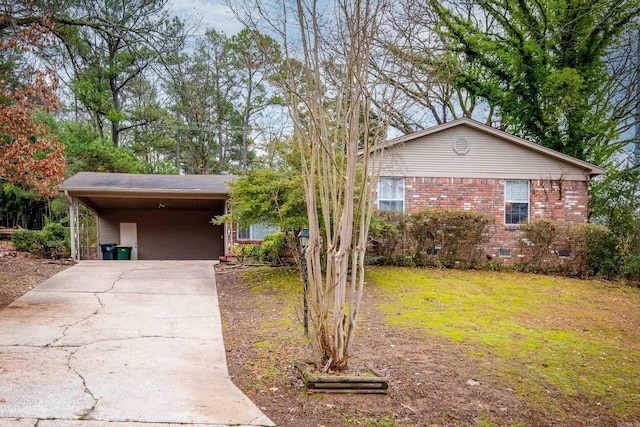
[160,216]
[467,165]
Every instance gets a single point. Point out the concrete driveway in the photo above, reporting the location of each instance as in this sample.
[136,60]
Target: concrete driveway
[119,344]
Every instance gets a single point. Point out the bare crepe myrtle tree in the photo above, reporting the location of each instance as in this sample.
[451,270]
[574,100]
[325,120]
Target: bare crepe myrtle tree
[326,81]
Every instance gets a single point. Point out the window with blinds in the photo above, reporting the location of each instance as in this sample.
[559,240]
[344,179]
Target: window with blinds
[391,194]
[516,201]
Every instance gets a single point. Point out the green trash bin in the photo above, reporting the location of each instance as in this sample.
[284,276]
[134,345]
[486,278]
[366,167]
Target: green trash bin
[124,252]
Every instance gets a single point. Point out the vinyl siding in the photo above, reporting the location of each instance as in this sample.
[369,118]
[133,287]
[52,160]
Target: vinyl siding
[488,157]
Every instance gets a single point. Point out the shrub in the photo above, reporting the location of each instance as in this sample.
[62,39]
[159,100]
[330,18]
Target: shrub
[491,265]
[594,250]
[52,240]
[27,241]
[631,268]
[408,240]
[388,236]
[54,231]
[55,240]
[455,238]
[273,247]
[458,234]
[538,241]
[246,251]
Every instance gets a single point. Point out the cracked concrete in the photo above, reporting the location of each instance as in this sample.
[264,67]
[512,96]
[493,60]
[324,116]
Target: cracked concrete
[119,344]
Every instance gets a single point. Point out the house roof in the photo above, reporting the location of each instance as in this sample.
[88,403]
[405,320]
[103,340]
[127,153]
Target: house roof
[590,168]
[99,191]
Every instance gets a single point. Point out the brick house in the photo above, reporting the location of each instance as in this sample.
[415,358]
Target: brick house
[467,165]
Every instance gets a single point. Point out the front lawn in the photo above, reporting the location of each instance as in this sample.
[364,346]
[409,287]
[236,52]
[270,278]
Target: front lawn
[460,348]
[552,339]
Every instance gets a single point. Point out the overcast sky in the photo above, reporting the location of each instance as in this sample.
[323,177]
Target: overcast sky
[208,13]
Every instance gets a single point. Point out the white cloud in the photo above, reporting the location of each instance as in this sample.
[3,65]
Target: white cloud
[206,14]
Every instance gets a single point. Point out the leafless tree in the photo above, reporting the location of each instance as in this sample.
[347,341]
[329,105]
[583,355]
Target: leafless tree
[328,88]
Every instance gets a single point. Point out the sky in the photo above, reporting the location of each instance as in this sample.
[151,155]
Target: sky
[207,14]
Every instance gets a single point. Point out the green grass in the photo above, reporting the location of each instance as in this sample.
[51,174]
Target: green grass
[277,280]
[578,338]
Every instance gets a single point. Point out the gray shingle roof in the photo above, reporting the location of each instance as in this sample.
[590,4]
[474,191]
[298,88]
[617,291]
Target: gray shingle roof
[101,182]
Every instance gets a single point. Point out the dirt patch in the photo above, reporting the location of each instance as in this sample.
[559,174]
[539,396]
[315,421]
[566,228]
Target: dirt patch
[19,274]
[431,382]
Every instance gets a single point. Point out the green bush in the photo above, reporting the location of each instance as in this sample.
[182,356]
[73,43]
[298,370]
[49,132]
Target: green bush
[631,268]
[594,250]
[27,241]
[387,236]
[243,252]
[274,247]
[52,240]
[54,231]
[55,240]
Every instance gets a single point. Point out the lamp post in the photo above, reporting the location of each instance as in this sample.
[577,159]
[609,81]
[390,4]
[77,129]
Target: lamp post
[303,236]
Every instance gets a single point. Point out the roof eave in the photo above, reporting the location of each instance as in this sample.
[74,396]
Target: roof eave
[112,192]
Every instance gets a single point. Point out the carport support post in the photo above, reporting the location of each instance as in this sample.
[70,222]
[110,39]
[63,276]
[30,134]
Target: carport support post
[73,226]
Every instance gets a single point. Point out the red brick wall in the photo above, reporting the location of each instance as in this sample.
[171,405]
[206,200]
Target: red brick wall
[564,201]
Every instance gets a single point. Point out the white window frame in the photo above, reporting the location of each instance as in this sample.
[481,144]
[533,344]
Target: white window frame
[515,200]
[391,200]
[255,233]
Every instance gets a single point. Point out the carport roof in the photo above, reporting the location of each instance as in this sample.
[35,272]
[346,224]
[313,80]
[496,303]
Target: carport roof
[146,183]
[99,191]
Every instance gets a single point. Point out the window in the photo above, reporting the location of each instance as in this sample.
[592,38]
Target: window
[256,231]
[516,202]
[504,253]
[391,194]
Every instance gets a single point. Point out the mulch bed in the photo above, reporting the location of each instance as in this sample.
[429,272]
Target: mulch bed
[19,273]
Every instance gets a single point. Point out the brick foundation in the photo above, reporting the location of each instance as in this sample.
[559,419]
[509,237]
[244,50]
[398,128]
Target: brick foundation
[563,201]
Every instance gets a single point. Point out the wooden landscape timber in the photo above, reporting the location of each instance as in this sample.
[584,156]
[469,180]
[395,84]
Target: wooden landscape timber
[369,382]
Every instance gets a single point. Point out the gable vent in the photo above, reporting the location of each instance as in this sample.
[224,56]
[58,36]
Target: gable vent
[461,146]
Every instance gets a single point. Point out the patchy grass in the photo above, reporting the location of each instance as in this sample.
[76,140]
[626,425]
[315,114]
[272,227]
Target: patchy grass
[551,339]
[281,281]
[279,289]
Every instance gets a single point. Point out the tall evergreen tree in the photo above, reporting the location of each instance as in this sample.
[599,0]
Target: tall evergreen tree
[202,88]
[545,66]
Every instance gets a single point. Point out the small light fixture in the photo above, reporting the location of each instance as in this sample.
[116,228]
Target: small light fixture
[303,236]
[161,205]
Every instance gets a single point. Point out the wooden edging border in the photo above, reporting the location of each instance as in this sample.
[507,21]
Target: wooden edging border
[374,383]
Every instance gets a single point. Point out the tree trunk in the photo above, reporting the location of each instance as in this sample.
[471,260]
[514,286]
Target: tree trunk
[246,116]
[115,123]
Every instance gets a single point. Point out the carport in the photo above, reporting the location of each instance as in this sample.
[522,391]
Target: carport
[163,217]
